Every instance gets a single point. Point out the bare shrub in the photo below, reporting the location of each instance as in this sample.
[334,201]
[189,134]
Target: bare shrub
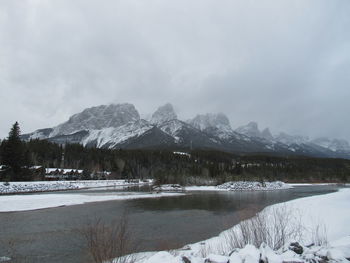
[274,226]
[109,242]
[320,235]
[205,250]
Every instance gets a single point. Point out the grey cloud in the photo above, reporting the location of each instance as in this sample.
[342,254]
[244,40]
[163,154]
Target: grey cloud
[284,64]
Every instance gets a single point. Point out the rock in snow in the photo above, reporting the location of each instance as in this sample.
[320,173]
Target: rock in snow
[251,254]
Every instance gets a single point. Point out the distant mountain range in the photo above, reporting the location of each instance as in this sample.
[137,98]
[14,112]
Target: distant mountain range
[120,126]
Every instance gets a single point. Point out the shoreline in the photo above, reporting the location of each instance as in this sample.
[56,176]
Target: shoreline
[43,186]
[96,184]
[334,219]
[21,203]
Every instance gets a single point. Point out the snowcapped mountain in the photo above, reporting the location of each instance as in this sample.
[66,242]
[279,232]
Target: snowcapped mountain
[95,118]
[120,126]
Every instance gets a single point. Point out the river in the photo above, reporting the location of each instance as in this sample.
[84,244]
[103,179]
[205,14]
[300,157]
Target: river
[52,235]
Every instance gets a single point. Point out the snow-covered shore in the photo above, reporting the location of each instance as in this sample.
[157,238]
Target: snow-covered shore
[229,186]
[332,211]
[253,186]
[12,203]
[49,186]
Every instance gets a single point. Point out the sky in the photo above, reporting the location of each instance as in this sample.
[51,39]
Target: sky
[284,64]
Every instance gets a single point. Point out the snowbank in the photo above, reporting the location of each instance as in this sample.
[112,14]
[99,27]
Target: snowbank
[251,254]
[168,187]
[253,186]
[46,186]
[229,186]
[12,203]
[242,186]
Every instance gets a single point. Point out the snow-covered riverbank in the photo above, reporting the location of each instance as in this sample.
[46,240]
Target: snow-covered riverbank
[12,203]
[229,186]
[49,186]
[331,211]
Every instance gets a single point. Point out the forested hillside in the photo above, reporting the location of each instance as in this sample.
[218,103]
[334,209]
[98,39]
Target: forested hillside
[169,166]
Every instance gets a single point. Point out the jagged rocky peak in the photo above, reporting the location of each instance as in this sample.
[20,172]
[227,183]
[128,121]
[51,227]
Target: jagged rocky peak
[96,118]
[163,114]
[251,129]
[266,134]
[209,120]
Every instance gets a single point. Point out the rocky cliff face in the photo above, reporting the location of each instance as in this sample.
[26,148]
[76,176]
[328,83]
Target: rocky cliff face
[96,118]
[163,114]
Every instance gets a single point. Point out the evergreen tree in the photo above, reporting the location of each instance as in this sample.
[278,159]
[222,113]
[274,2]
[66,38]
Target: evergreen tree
[13,153]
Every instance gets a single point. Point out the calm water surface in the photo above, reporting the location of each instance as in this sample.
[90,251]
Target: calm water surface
[51,235]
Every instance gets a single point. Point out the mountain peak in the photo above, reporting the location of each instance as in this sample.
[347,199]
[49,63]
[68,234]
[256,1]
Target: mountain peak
[209,120]
[163,114]
[95,118]
[251,129]
[266,134]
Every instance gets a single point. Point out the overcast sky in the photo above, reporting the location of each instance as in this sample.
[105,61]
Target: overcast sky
[284,64]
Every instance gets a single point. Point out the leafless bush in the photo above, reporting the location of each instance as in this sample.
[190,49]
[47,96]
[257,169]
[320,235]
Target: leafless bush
[274,226]
[107,243]
[319,235]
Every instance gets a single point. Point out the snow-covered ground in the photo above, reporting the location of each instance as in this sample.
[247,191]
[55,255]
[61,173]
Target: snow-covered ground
[12,203]
[229,186]
[331,211]
[46,186]
[253,186]
[168,187]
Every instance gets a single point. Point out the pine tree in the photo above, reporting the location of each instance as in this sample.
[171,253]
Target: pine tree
[13,153]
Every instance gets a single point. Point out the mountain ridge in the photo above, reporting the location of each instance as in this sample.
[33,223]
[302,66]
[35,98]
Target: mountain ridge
[120,126]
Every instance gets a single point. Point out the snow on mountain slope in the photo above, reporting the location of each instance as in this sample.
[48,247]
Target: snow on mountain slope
[203,121]
[111,137]
[216,124]
[173,128]
[38,134]
[100,117]
[291,139]
[163,114]
[335,145]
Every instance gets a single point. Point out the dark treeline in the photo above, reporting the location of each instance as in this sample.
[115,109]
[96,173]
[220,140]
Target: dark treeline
[199,167]
[196,167]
